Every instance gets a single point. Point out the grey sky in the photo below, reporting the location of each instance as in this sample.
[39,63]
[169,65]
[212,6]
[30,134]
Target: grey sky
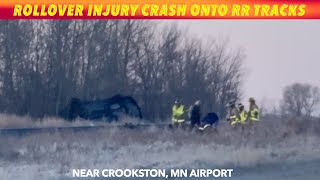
[278,52]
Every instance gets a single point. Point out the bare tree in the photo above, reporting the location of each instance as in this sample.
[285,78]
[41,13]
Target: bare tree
[45,63]
[225,75]
[300,99]
[14,36]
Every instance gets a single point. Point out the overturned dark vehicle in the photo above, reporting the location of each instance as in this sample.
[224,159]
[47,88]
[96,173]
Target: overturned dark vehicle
[111,109]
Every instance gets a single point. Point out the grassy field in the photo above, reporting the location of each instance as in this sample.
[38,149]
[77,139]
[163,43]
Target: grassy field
[53,155]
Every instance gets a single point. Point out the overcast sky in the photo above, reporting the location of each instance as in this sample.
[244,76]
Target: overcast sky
[278,52]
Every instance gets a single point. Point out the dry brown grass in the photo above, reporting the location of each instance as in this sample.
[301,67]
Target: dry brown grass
[116,147]
[14,121]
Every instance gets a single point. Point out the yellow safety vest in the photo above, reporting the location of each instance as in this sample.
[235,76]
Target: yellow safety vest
[254,114]
[234,119]
[177,113]
[243,116]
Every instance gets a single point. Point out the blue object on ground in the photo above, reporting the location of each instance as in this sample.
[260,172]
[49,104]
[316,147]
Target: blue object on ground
[211,118]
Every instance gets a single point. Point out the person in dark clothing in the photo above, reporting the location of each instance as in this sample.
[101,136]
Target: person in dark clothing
[195,114]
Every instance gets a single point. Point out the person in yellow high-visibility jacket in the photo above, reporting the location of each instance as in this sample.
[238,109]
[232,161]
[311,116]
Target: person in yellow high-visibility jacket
[177,113]
[233,114]
[253,114]
[243,114]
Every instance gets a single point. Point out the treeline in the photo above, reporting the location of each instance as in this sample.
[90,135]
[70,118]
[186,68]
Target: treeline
[43,64]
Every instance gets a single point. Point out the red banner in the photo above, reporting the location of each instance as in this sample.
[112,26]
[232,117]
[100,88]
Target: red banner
[160,9]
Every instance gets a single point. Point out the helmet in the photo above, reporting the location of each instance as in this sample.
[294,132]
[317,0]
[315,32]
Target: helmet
[197,102]
[240,105]
[251,99]
[231,103]
[176,101]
